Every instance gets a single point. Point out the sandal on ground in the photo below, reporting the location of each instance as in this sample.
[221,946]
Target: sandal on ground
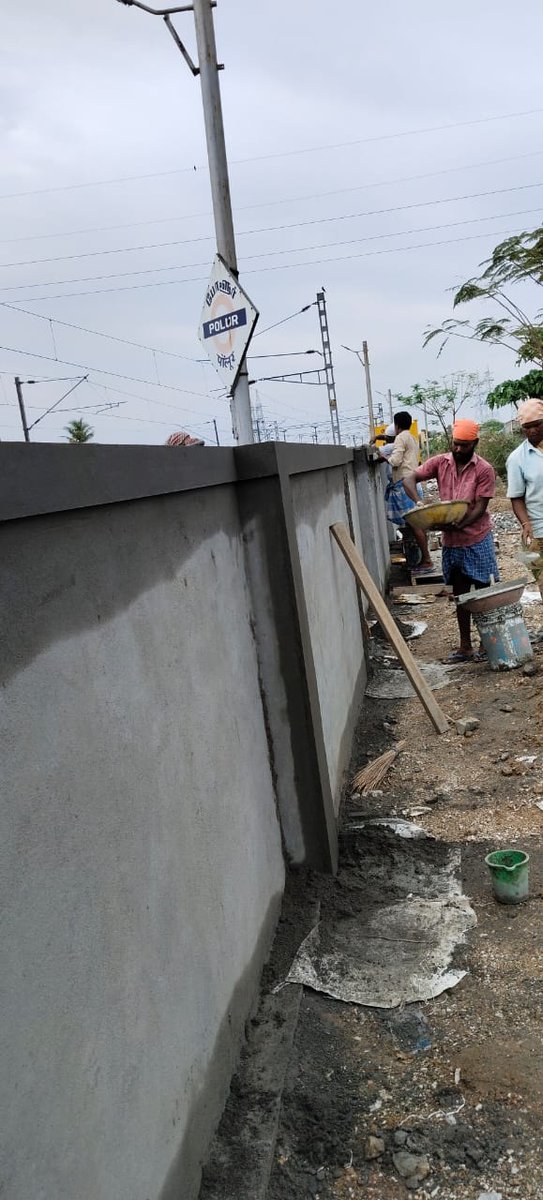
[461,656]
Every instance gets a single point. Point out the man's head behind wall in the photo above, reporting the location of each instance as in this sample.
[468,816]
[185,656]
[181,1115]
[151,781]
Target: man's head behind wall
[183,439]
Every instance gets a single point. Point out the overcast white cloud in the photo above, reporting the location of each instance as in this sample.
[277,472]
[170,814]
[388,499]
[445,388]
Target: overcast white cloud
[96,92]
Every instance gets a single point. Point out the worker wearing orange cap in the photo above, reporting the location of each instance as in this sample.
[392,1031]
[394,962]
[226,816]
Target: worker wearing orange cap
[525,483]
[469,557]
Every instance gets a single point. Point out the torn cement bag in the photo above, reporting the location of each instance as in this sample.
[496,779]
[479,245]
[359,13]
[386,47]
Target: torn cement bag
[387,955]
[390,683]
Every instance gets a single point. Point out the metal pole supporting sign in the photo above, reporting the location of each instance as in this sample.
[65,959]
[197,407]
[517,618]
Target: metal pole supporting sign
[234,337]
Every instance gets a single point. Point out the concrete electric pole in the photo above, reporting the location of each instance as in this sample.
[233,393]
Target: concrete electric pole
[208,69]
[365,362]
[368,389]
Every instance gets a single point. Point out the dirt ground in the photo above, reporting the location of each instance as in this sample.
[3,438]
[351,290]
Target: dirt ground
[457,1082]
[470,1102]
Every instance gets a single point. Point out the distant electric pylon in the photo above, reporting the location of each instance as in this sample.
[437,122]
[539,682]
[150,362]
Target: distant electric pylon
[328,367]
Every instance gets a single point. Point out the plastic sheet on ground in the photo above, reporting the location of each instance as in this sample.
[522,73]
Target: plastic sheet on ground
[388,955]
[391,683]
[408,629]
[531,596]
[412,601]
[404,829]
[417,629]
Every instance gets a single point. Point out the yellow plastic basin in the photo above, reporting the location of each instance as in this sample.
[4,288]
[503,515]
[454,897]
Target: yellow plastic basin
[437,515]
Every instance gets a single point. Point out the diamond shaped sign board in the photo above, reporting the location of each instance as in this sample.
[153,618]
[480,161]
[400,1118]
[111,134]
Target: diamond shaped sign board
[227,322]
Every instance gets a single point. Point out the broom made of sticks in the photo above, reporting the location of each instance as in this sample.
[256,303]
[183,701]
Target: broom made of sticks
[368,779]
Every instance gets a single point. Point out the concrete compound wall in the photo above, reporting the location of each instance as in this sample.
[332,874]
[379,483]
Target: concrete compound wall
[333,612]
[370,483]
[142,866]
[174,723]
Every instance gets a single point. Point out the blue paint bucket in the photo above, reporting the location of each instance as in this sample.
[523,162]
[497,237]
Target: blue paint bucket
[504,637]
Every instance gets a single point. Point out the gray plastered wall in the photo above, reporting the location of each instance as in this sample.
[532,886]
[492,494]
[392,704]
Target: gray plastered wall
[173,727]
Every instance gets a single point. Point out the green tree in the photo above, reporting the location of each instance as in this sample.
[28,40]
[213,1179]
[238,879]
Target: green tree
[438,442]
[441,400]
[514,391]
[496,446]
[516,260]
[78,431]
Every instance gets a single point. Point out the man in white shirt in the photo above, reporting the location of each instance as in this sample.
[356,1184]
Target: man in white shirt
[386,450]
[403,460]
[525,482]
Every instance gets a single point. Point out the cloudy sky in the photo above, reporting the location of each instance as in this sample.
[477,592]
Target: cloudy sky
[376,151]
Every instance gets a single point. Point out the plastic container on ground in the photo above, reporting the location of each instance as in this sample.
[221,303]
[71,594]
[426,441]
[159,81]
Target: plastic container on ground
[509,872]
[504,637]
[489,598]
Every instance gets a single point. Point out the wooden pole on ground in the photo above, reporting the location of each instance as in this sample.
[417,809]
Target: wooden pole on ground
[372,593]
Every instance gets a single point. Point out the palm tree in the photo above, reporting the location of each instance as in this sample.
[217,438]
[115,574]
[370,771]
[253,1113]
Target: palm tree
[79,431]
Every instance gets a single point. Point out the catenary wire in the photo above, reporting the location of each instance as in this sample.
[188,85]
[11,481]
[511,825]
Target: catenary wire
[274,203]
[103,371]
[141,345]
[372,212]
[97,333]
[262,270]
[384,137]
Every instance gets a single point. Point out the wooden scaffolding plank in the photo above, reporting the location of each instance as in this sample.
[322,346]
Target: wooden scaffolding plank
[371,591]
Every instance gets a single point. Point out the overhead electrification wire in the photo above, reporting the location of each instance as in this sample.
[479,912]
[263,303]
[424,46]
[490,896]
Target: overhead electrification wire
[138,345]
[267,253]
[76,408]
[383,137]
[282,267]
[362,187]
[108,387]
[101,371]
[387,137]
[284,320]
[372,212]
[97,333]
[141,420]
[46,378]
[285,354]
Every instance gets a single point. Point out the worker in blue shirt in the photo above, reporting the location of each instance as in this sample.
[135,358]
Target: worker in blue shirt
[525,483]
